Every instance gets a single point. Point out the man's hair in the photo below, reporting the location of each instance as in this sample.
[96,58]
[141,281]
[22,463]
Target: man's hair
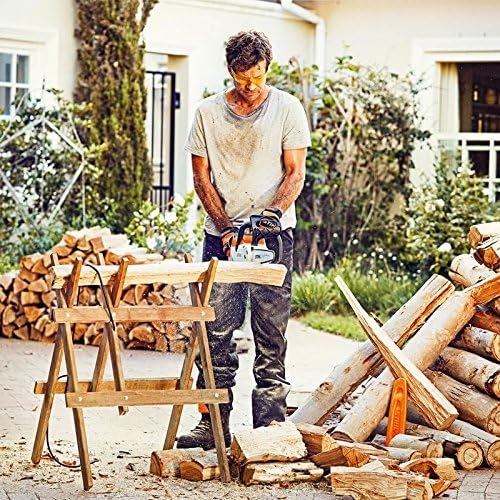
[246,49]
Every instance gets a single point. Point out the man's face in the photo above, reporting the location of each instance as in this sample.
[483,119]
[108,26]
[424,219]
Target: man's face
[250,83]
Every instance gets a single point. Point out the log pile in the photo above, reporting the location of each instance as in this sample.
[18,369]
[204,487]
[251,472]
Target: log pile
[284,453]
[449,334]
[26,295]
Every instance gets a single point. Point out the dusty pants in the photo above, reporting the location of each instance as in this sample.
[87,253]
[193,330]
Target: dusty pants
[269,313]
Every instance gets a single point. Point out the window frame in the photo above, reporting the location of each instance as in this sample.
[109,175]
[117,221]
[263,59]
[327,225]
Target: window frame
[14,84]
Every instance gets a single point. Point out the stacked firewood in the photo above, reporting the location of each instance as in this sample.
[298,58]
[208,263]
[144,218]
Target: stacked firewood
[284,453]
[26,295]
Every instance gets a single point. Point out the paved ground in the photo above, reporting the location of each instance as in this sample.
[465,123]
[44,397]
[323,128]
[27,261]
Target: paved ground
[122,445]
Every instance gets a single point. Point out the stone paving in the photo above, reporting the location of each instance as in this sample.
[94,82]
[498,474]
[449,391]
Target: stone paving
[122,445]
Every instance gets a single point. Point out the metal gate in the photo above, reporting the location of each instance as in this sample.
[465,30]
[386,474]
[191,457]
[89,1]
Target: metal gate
[160,127]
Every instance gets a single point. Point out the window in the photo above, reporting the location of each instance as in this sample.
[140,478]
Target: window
[14,80]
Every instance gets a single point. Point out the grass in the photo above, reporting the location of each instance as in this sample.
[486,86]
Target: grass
[337,324]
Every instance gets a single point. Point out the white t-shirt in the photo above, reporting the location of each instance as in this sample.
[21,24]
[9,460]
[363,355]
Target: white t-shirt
[246,152]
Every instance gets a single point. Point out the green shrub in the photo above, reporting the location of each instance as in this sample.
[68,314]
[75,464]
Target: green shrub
[312,292]
[168,232]
[439,214]
[345,326]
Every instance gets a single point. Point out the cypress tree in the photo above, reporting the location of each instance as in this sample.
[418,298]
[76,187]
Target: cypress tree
[111,77]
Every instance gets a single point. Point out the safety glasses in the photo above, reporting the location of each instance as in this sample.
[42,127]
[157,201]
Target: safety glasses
[256,80]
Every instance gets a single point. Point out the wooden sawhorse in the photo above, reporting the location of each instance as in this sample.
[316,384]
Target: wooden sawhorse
[138,392]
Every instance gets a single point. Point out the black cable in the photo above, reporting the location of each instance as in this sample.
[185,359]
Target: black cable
[51,453]
[111,319]
[104,294]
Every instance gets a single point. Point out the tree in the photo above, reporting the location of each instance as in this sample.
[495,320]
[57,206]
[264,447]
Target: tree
[111,78]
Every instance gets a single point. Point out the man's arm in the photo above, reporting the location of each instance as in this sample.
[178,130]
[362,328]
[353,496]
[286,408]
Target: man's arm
[207,193]
[293,182]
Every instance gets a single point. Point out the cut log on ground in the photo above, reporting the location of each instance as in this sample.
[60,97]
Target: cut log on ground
[442,468]
[426,445]
[475,407]
[470,369]
[281,472]
[380,484]
[165,463]
[201,466]
[277,442]
[435,408]
[316,439]
[422,350]
[403,455]
[349,454]
[479,341]
[347,376]
[489,443]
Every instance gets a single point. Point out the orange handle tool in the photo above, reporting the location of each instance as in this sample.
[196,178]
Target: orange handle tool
[396,423]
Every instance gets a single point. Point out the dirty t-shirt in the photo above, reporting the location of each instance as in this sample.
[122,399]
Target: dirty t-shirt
[246,152]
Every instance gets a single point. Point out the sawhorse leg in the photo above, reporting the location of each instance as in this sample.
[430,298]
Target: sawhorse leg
[200,337]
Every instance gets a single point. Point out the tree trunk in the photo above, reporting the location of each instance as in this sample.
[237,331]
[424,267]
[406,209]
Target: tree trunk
[422,350]
[425,445]
[490,444]
[474,407]
[470,369]
[346,376]
[479,341]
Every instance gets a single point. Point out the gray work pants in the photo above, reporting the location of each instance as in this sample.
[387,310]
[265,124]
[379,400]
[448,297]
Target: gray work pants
[270,311]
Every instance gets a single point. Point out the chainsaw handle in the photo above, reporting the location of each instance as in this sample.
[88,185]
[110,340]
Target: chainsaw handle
[241,232]
[280,250]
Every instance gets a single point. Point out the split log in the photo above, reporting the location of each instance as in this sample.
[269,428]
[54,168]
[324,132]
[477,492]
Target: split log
[40,286]
[442,468]
[480,341]
[425,445]
[28,261]
[200,466]
[19,285]
[346,377]
[439,486]
[143,333]
[486,320]
[348,454]
[467,452]
[27,275]
[33,313]
[9,315]
[475,407]
[316,438]
[489,443]
[48,298]
[22,332]
[488,253]
[8,330]
[28,298]
[482,232]
[280,472]
[470,369]
[7,279]
[277,442]
[380,484]
[40,266]
[436,409]
[62,250]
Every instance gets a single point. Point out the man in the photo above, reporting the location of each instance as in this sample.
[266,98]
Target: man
[248,148]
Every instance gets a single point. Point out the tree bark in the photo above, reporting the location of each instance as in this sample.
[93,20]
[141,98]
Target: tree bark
[423,350]
[346,377]
[425,445]
[479,341]
[470,369]
[475,407]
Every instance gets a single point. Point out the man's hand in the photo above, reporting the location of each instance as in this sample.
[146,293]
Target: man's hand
[227,236]
[268,222]
[272,212]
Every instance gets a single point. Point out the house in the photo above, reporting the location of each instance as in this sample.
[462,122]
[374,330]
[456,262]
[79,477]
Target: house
[454,44]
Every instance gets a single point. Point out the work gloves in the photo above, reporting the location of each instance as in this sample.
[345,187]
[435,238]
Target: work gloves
[227,235]
[267,222]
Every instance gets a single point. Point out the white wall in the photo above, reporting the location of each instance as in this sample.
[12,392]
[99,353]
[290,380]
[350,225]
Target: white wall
[45,26]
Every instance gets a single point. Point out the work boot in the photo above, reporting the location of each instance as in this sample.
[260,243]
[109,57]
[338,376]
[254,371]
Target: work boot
[202,435]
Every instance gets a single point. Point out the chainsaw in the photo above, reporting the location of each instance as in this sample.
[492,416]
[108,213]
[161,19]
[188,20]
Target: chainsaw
[250,243]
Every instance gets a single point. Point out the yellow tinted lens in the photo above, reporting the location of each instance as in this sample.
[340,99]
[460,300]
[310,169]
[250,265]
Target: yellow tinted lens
[259,80]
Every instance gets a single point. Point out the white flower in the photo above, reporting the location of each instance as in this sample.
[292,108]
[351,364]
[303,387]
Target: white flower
[151,242]
[440,203]
[170,217]
[445,247]
[355,242]
[335,235]
[154,213]
[179,199]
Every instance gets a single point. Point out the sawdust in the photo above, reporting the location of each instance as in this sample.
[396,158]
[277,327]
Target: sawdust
[122,474]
